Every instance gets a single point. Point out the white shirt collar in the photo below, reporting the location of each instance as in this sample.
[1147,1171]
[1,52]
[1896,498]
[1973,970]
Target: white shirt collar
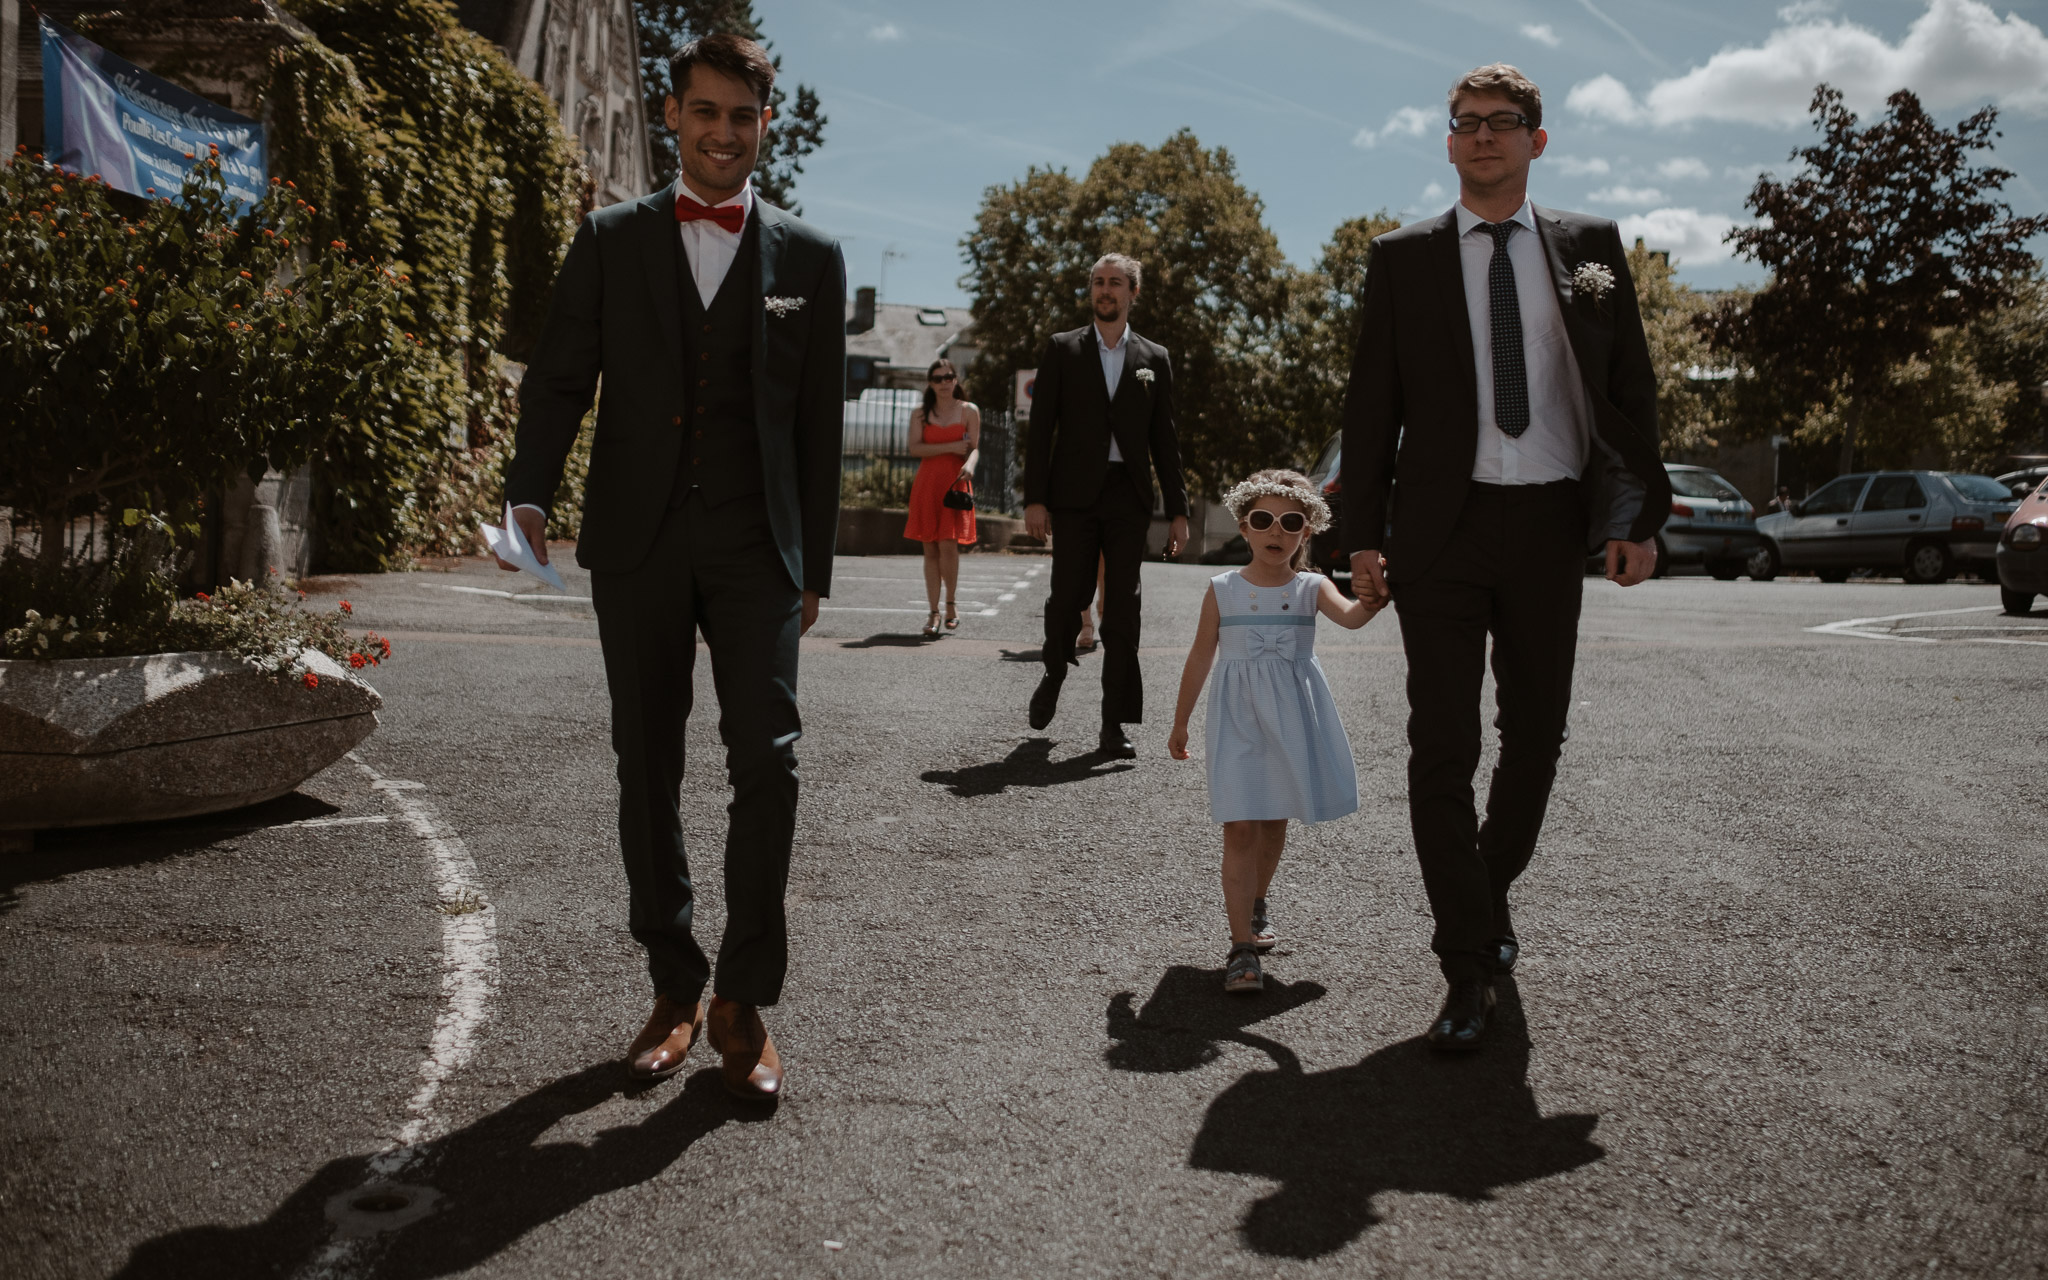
[1526,215]
[745,198]
[1118,345]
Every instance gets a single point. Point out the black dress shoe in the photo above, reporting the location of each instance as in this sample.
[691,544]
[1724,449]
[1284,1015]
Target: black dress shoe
[1114,743]
[1501,954]
[1045,700]
[1461,1024]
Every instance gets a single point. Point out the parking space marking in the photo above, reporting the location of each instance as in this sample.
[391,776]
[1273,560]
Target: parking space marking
[1864,628]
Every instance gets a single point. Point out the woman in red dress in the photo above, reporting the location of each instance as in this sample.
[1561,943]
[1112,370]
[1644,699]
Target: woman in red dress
[946,433]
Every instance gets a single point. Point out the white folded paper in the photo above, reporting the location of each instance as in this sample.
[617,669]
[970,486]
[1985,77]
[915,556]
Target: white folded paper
[510,545]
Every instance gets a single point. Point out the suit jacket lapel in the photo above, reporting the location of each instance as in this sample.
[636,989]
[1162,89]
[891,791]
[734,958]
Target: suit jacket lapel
[773,229]
[1091,351]
[661,249]
[1557,242]
[1450,267]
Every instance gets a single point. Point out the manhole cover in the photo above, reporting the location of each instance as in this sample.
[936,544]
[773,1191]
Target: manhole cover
[377,1207]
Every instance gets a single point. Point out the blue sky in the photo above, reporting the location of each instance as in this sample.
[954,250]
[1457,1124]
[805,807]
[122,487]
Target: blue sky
[1660,112]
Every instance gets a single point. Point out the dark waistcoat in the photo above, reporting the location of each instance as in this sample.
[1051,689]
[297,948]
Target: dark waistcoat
[721,451]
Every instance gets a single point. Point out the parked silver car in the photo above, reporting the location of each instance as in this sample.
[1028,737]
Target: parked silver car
[1923,523]
[1711,523]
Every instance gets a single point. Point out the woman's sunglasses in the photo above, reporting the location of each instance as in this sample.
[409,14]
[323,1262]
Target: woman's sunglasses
[1290,521]
[942,377]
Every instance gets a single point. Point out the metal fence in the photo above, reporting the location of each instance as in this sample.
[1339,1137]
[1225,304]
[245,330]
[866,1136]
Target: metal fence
[877,463]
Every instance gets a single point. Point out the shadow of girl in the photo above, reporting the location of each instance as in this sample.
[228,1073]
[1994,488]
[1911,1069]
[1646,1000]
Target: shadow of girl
[496,1178]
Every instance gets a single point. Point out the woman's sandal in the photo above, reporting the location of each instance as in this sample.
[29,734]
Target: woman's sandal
[952,617]
[1263,936]
[931,626]
[1243,974]
[1085,642]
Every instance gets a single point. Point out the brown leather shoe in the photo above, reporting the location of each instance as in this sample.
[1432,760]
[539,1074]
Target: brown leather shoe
[657,1052]
[752,1069]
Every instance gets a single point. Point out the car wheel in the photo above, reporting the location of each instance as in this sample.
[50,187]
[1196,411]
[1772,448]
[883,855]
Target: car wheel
[1764,563]
[1663,564]
[1929,562]
[2017,603]
[1725,570]
[1832,575]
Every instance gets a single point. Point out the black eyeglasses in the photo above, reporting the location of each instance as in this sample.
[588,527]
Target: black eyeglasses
[1499,122]
[943,377]
[1290,521]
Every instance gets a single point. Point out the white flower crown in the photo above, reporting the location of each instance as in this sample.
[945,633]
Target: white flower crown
[1246,492]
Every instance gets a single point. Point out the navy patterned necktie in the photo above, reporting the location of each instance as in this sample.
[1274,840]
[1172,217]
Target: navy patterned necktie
[1510,374]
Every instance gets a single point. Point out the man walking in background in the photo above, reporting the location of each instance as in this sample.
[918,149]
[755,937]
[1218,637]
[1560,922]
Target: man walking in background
[1503,380]
[1101,425]
[717,324]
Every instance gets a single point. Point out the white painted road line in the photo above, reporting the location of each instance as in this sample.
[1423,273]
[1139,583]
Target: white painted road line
[524,597]
[338,822]
[1856,626]
[851,608]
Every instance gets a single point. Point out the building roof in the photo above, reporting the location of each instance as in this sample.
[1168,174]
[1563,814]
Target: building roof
[905,334]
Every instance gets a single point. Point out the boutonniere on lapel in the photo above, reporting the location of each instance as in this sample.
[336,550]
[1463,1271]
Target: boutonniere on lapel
[1593,280]
[781,307]
[1145,376]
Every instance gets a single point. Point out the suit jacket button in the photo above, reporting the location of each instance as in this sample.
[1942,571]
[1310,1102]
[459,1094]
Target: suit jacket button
[700,408]
[707,328]
[703,382]
[679,420]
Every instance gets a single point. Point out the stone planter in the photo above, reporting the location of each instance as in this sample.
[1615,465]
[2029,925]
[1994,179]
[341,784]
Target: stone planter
[86,741]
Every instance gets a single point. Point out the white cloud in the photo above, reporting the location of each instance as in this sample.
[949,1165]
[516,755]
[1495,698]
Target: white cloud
[1618,194]
[1806,10]
[1434,191]
[1956,53]
[887,33]
[1410,122]
[1687,234]
[1679,167]
[1578,167]
[1541,33]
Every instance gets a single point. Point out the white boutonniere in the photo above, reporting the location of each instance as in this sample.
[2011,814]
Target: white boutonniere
[1145,376]
[1594,280]
[780,307]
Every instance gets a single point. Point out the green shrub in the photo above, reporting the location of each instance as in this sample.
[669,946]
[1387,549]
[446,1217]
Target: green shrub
[878,484]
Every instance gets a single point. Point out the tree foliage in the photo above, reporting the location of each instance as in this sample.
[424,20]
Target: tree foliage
[1887,237]
[1689,391]
[153,350]
[795,132]
[1214,293]
[2011,345]
[1321,326]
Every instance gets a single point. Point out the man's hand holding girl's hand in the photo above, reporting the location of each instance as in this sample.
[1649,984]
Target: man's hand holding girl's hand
[1177,742]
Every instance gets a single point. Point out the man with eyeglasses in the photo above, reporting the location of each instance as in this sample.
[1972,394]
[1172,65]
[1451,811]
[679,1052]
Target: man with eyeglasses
[1502,378]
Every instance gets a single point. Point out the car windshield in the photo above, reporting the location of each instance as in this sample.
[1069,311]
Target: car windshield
[1326,466]
[1981,489]
[1703,484]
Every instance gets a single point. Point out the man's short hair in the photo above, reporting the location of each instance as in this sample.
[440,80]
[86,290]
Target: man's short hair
[1123,262]
[1506,81]
[736,56]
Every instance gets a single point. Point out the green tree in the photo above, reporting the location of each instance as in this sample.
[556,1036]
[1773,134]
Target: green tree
[1686,401]
[153,350]
[2011,345]
[1321,327]
[1935,409]
[1888,236]
[1214,289]
[795,132]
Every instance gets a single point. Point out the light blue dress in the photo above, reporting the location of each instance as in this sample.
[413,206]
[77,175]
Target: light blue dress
[1276,748]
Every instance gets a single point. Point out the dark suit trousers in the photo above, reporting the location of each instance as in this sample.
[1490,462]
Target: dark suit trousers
[715,570]
[1513,569]
[1114,529]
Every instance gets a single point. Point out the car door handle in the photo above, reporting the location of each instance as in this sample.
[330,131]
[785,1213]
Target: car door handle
[1912,517]
[1842,521]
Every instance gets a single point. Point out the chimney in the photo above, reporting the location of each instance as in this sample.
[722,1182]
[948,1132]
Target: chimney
[863,310]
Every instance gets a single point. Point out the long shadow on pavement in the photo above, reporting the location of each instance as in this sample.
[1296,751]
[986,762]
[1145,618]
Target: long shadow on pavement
[1030,764]
[496,1181]
[1404,1119]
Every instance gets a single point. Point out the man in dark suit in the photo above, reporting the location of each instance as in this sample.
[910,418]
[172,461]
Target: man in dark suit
[1101,424]
[1503,403]
[717,324]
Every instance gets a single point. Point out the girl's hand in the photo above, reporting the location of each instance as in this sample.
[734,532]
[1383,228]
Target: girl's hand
[1177,742]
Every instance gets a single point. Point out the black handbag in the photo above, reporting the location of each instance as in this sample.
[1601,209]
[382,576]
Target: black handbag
[960,499]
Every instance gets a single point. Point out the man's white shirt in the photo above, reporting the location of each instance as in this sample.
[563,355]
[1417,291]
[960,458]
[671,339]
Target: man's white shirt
[1556,444]
[709,249]
[1112,371]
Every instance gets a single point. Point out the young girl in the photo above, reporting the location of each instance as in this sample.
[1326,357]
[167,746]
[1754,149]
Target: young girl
[1276,749]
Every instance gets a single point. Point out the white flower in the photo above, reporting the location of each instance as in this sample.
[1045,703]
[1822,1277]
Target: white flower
[1593,278]
[1143,375]
[780,307]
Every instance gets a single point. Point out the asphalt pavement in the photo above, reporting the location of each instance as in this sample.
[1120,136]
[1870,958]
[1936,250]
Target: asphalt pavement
[1780,1010]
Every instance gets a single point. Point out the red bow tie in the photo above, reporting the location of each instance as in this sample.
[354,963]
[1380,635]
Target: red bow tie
[730,217]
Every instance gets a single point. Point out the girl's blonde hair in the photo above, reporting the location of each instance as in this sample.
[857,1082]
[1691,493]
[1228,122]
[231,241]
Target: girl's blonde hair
[1281,483]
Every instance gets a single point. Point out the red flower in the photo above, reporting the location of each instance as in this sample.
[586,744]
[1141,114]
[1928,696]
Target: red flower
[203,596]
[357,661]
[345,608]
[312,681]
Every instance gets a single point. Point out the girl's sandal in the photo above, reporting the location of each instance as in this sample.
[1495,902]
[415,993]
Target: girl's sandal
[1263,936]
[1085,642]
[1243,974]
[952,617]
[931,626]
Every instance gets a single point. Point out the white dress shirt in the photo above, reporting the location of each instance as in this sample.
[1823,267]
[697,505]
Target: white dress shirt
[709,249]
[1112,373]
[1555,445]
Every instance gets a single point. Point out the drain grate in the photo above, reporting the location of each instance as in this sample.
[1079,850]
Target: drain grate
[377,1207]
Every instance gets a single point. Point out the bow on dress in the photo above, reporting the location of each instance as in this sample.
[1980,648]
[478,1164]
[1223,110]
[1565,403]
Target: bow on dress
[1277,641]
